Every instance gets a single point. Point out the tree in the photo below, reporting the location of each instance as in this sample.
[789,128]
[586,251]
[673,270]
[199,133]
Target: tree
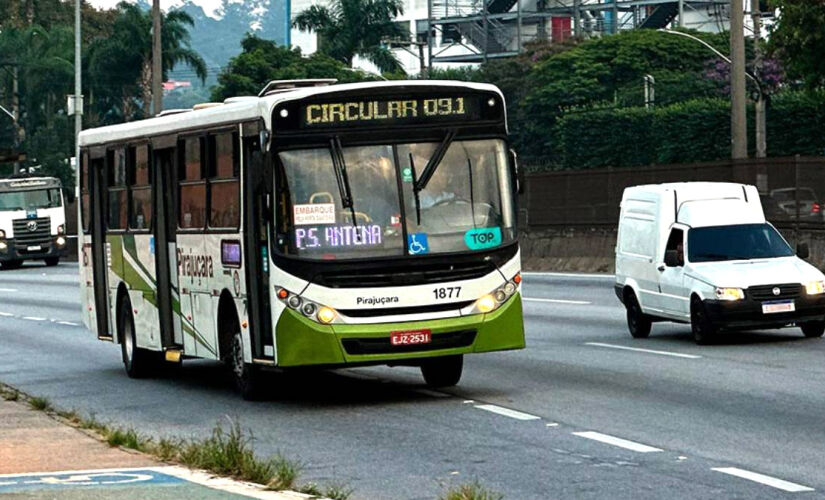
[349,28]
[798,39]
[122,62]
[264,60]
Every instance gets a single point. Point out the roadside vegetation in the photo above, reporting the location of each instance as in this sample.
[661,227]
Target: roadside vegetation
[227,452]
[470,491]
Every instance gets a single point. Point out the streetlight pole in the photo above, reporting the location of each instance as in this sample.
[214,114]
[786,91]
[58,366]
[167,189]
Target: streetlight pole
[77,102]
[759,107]
[738,123]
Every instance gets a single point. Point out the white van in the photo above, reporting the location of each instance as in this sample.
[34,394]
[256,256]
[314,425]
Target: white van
[703,253]
[32,220]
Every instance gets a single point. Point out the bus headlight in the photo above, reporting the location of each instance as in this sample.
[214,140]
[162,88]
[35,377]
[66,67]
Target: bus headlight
[497,297]
[815,287]
[486,303]
[61,241]
[326,315]
[730,294]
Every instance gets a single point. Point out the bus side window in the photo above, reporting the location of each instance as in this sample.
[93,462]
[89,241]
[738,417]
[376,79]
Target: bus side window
[224,185]
[192,191]
[85,189]
[116,176]
[140,196]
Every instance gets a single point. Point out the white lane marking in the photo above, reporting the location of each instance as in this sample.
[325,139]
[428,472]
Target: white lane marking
[552,424]
[569,275]
[7,290]
[68,323]
[621,443]
[648,351]
[468,401]
[34,318]
[507,412]
[557,301]
[6,315]
[763,479]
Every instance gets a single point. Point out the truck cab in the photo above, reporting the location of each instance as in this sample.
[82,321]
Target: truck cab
[32,220]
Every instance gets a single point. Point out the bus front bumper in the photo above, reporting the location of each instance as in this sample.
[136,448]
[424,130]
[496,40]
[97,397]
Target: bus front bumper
[57,246]
[302,342]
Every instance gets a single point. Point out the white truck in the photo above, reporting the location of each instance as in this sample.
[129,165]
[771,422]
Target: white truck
[32,220]
[702,253]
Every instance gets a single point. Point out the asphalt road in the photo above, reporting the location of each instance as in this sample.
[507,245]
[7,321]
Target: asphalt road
[542,423]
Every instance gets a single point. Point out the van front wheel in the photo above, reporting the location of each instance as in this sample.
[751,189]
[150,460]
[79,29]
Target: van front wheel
[813,329]
[638,323]
[703,329]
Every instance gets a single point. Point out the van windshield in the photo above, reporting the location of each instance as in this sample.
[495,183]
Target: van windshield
[739,242]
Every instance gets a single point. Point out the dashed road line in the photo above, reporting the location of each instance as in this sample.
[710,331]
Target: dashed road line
[507,412]
[6,315]
[570,275]
[9,290]
[647,351]
[615,441]
[33,318]
[763,479]
[558,301]
[68,323]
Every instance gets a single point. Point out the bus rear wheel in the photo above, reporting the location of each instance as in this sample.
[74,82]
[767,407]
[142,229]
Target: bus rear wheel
[139,363]
[443,372]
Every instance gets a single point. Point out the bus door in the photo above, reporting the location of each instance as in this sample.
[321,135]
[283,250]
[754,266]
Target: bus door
[100,252]
[165,248]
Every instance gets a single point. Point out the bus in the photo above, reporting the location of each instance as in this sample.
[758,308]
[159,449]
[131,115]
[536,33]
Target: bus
[314,225]
[32,220]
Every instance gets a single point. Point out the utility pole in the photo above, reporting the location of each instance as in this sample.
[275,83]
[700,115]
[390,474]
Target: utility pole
[738,124]
[77,102]
[760,105]
[577,18]
[157,67]
[682,13]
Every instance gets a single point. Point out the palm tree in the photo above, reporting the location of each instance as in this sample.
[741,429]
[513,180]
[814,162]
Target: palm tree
[123,62]
[349,28]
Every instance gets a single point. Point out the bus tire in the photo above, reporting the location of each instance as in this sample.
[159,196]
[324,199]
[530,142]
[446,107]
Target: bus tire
[246,376]
[443,372]
[52,261]
[139,363]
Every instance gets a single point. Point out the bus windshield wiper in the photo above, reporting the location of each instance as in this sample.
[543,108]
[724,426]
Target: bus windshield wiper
[415,192]
[434,161]
[341,176]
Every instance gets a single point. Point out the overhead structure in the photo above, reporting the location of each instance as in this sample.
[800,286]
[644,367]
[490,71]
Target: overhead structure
[472,31]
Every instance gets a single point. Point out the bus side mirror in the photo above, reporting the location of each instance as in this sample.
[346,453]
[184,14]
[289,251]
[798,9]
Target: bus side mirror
[518,176]
[803,251]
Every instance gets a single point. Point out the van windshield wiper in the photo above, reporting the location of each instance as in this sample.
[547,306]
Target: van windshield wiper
[434,161]
[341,176]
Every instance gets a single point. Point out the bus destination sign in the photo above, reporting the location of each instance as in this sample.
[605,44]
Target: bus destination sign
[390,112]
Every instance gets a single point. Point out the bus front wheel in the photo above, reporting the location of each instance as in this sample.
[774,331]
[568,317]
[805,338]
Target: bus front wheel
[442,372]
[246,376]
[138,362]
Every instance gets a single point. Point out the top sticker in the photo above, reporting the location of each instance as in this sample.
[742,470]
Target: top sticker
[316,213]
[483,237]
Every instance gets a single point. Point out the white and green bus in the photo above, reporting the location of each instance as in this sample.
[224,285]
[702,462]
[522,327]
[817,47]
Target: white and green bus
[316,224]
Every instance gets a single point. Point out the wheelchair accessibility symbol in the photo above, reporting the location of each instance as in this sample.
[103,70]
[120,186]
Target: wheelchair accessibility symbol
[417,244]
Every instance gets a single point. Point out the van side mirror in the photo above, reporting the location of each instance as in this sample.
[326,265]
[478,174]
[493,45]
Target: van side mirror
[518,176]
[672,258]
[803,251]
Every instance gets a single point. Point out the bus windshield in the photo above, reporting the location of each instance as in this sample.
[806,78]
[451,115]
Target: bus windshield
[32,199]
[467,205]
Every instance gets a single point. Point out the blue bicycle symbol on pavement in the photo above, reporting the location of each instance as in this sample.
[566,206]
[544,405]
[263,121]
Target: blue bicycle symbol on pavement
[12,483]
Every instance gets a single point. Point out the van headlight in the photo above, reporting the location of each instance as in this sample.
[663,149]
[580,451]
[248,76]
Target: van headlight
[730,294]
[815,287]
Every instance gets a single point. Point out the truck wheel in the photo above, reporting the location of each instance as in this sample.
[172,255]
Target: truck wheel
[443,372]
[245,376]
[704,331]
[638,323]
[52,261]
[813,329]
[138,362]
[11,264]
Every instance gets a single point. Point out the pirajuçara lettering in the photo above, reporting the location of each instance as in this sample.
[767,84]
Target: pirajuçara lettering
[194,266]
[375,301]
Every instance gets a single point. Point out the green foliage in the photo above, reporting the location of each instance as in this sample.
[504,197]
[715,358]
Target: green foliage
[799,40]
[40,404]
[350,28]
[795,121]
[127,438]
[470,491]
[264,60]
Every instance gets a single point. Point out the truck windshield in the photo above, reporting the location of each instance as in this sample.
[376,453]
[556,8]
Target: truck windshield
[466,206]
[32,199]
[739,242]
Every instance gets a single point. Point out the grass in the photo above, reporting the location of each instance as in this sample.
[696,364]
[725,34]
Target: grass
[227,452]
[470,491]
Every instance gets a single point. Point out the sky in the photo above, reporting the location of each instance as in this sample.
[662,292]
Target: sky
[208,6]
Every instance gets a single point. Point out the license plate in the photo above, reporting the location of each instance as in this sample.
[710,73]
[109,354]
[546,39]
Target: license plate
[35,248]
[411,337]
[778,307]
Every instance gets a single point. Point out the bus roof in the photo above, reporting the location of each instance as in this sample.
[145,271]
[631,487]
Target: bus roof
[246,109]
